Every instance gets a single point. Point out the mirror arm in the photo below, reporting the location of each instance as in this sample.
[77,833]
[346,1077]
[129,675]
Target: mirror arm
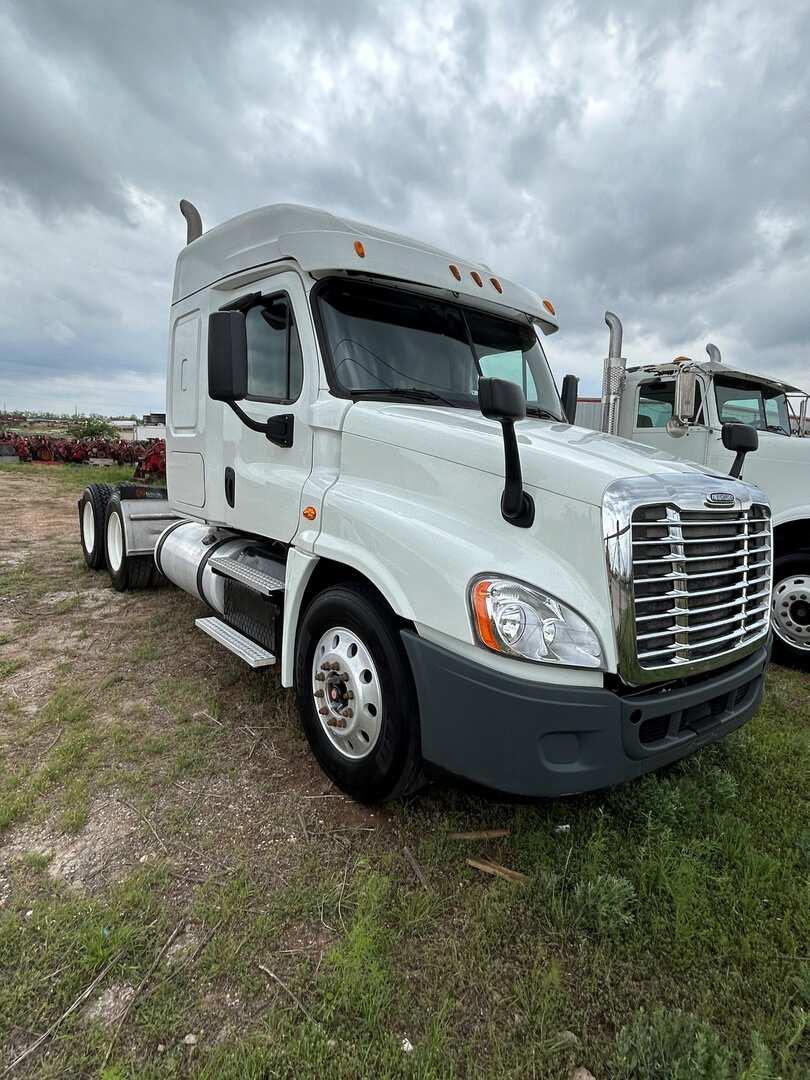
[737,464]
[517,506]
[277,429]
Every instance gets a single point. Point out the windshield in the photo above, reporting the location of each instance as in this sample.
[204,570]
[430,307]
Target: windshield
[762,407]
[387,342]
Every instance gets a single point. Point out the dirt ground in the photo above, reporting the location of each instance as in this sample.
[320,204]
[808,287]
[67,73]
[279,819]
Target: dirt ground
[184,893]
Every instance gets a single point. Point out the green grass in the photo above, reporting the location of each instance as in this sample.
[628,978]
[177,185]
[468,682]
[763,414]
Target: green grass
[663,932]
[69,478]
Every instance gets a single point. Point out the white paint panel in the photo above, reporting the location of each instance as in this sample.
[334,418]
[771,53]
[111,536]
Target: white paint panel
[186,478]
[184,396]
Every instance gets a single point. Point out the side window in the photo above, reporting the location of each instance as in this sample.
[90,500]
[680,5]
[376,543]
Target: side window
[275,362]
[656,402]
[511,366]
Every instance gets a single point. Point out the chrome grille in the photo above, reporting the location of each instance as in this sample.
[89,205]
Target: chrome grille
[701,581]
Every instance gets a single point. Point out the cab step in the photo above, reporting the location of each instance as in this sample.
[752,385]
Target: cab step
[255,656]
[253,579]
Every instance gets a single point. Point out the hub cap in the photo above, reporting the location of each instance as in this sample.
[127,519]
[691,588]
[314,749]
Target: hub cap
[88,528]
[791,610]
[115,541]
[347,693]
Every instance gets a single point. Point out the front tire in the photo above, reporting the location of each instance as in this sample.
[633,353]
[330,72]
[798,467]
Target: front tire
[92,510]
[126,571]
[356,696]
[790,610]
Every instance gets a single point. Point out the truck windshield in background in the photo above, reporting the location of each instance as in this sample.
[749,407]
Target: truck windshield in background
[759,406]
[387,342]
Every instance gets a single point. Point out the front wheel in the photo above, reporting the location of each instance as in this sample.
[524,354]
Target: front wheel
[356,696]
[790,610]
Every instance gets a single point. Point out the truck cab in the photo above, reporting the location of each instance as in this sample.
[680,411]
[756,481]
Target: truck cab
[646,412]
[374,481]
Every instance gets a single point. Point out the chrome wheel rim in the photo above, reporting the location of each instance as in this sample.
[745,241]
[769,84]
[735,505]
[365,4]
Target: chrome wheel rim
[790,611]
[115,541]
[88,528]
[347,693]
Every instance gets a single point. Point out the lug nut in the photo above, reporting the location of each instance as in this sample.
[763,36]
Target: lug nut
[350,695]
[335,721]
[320,676]
[319,693]
[324,711]
[326,667]
[335,666]
[348,713]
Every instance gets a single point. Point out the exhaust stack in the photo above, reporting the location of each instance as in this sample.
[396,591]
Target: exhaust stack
[194,226]
[613,376]
[714,353]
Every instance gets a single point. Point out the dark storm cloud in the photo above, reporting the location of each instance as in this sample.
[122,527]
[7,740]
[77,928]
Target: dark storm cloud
[608,155]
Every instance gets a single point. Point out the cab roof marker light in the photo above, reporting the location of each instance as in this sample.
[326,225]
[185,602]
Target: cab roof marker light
[454,270]
[479,281]
[496,285]
[360,248]
[547,304]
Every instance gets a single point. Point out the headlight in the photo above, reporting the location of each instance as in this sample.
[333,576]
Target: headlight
[519,620]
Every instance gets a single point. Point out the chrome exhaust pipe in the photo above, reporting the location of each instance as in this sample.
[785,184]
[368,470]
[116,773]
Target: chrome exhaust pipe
[613,375]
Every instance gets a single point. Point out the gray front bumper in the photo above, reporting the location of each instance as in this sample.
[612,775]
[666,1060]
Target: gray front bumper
[531,738]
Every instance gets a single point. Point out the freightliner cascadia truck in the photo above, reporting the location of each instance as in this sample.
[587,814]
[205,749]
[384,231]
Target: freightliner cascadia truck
[373,481]
[644,404]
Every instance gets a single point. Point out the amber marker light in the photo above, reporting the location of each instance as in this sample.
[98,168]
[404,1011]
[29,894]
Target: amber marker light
[496,285]
[547,304]
[310,513]
[360,249]
[477,279]
[454,270]
[482,620]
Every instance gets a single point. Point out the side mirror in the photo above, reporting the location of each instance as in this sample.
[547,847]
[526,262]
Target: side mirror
[500,399]
[741,439]
[227,356]
[685,396]
[568,397]
[505,402]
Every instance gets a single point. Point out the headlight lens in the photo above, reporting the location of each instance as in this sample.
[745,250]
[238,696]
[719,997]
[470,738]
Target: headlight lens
[519,620]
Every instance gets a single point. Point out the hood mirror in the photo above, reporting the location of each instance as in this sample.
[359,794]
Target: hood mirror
[504,401]
[741,439]
[570,387]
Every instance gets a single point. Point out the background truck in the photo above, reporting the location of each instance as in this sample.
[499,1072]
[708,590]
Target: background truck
[644,404]
[372,477]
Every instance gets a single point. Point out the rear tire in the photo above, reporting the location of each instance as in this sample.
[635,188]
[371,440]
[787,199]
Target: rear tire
[370,749]
[126,571]
[92,510]
[790,610]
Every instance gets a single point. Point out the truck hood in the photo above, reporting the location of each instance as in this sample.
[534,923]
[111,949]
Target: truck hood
[555,456]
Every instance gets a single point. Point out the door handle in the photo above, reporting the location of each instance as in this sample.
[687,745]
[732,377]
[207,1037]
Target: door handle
[230,487]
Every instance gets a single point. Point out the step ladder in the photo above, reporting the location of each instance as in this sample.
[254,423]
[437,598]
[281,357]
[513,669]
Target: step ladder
[253,579]
[255,656]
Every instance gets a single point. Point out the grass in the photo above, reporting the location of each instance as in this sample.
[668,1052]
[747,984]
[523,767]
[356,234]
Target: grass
[663,932]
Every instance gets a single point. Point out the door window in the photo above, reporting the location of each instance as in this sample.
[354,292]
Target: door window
[275,362]
[656,403]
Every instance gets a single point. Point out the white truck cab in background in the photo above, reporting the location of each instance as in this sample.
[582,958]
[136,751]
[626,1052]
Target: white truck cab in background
[642,403]
[373,478]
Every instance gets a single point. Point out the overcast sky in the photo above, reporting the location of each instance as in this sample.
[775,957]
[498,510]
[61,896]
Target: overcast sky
[652,158]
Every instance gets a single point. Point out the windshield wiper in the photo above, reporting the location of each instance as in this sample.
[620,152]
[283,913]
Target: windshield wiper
[403,393]
[777,428]
[541,413]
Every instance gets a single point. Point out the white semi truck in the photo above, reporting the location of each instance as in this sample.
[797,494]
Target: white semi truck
[648,405]
[372,478]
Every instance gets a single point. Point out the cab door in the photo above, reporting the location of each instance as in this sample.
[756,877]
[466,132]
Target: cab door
[654,407]
[263,479]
